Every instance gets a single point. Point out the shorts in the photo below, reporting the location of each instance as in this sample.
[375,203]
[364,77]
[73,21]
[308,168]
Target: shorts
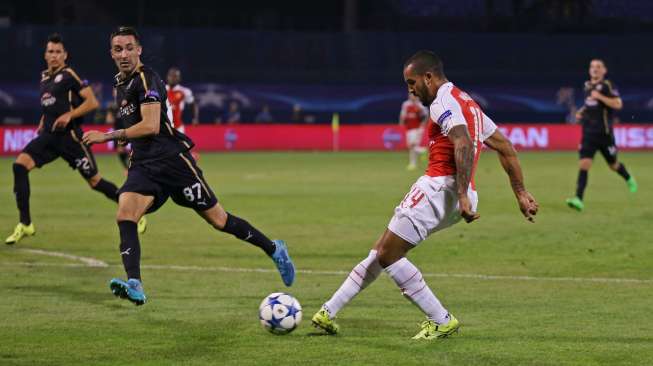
[604,144]
[431,205]
[414,136]
[177,177]
[47,147]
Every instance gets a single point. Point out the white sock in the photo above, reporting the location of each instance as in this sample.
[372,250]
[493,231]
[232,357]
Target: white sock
[412,156]
[412,285]
[360,277]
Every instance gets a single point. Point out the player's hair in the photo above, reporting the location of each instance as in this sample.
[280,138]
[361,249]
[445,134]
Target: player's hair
[599,59]
[424,61]
[55,38]
[125,31]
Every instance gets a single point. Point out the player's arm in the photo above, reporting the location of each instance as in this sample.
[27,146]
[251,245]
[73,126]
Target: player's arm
[196,113]
[510,163]
[148,126]
[89,104]
[613,102]
[464,157]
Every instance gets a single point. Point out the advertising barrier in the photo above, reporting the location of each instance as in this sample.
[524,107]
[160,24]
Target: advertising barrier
[280,137]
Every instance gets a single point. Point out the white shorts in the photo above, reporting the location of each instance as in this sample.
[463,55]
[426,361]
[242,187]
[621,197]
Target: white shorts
[414,136]
[181,129]
[430,206]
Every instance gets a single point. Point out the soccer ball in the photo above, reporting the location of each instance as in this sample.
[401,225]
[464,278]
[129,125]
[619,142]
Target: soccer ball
[280,313]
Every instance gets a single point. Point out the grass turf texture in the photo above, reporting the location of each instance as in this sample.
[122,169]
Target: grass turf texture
[330,208]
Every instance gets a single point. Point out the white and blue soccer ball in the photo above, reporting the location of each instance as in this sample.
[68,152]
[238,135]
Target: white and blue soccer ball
[280,313]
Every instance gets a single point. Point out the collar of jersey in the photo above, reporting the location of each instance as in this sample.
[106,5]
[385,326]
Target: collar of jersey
[48,74]
[122,81]
[446,85]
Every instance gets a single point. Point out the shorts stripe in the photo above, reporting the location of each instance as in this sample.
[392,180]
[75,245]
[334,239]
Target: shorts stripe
[204,185]
[86,152]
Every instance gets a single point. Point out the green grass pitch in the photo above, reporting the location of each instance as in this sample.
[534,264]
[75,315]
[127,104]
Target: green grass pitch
[527,294]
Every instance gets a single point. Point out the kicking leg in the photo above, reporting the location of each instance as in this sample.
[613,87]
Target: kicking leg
[243,230]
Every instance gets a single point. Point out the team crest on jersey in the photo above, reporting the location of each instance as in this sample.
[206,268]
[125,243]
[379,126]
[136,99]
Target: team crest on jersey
[58,78]
[123,103]
[47,99]
[599,87]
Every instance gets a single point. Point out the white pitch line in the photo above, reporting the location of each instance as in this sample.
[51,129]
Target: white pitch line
[343,273]
[91,262]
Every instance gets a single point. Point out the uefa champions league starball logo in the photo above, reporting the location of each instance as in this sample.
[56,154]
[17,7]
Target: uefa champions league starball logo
[391,138]
[230,138]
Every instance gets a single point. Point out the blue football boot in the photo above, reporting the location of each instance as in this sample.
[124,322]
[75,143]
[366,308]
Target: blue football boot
[131,290]
[283,262]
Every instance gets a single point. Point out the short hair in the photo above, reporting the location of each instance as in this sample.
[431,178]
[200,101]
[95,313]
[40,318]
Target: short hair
[424,61]
[125,31]
[55,38]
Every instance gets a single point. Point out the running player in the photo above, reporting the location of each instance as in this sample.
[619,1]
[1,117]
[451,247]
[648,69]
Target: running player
[413,118]
[597,117]
[65,99]
[162,167]
[178,97]
[439,199]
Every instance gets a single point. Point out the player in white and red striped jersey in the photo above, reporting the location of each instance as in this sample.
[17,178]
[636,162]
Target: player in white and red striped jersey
[413,118]
[440,198]
[178,98]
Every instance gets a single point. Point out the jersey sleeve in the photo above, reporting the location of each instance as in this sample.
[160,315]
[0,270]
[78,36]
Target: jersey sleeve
[76,83]
[188,96]
[489,127]
[611,89]
[447,114]
[149,90]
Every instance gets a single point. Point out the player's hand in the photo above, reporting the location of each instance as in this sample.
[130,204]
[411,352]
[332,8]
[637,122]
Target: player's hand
[465,207]
[94,137]
[596,94]
[61,122]
[579,116]
[527,205]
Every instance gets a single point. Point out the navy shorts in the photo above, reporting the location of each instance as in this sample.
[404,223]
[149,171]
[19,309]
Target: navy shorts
[47,147]
[605,144]
[177,177]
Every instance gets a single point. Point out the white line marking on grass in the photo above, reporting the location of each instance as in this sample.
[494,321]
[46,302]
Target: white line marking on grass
[91,262]
[343,273]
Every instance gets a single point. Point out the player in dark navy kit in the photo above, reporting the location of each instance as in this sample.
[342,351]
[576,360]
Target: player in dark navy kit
[65,98]
[161,167]
[597,117]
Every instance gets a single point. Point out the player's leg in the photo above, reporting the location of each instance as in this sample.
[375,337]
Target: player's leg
[610,155]
[586,153]
[37,153]
[186,185]
[139,195]
[412,153]
[360,277]
[21,168]
[224,221]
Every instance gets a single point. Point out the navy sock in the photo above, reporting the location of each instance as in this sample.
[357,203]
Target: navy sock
[109,189]
[124,158]
[22,191]
[130,249]
[244,231]
[623,172]
[582,182]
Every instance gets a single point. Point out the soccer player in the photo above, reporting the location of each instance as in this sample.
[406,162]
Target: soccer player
[178,97]
[162,167]
[439,199]
[601,100]
[65,98]
[413,117]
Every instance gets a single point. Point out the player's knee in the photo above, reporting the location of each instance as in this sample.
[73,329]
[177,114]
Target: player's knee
[26,161]
[615,166]
[94,180]
[125,214]
[387,256]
